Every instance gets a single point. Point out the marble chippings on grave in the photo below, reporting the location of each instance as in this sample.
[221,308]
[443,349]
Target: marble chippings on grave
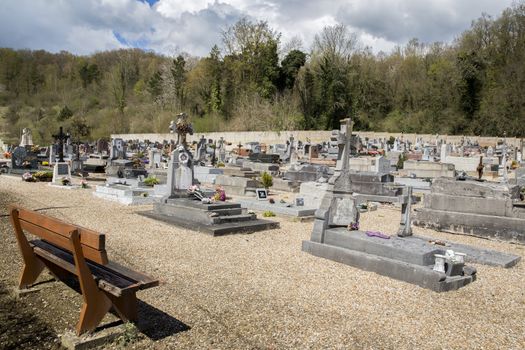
[191,207]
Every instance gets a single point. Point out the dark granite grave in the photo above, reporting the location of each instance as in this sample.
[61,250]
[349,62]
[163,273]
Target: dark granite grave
[185,209]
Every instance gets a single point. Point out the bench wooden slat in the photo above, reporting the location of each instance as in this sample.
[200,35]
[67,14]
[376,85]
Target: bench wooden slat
[68,250]
[88,237]
[145,281]
[106,278]
[97,256]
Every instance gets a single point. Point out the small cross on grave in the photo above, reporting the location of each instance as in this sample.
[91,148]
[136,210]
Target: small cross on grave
[348,141]
[405,227]
[61,137]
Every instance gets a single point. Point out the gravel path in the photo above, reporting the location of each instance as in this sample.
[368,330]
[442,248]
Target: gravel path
[261,291]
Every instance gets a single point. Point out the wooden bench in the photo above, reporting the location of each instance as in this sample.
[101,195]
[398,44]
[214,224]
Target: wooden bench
[68,250]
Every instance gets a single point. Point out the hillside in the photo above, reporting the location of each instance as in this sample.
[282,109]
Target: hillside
[472,86]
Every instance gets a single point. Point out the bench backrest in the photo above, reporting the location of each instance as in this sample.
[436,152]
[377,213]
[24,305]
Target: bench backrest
[58,233]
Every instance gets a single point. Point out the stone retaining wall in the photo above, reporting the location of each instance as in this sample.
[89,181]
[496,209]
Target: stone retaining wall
[316,136]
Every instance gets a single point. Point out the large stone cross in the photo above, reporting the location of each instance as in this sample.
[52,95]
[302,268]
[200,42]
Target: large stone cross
[61,137]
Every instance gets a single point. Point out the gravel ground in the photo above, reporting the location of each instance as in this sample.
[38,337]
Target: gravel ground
[260,290]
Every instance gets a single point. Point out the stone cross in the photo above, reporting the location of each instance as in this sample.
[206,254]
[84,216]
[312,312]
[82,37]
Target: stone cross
[182,127]
[61,137]
[405,227]
[348,141]
[504,159]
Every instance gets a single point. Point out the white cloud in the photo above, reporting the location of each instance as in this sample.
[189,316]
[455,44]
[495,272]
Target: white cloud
[85,26]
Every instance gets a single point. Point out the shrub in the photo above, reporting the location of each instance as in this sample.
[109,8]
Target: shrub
[268,214]
[151,181]
[266,180]
[43,175]
[401,160]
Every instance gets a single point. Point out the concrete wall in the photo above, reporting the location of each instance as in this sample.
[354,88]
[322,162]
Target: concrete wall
[424,169]
[316,136]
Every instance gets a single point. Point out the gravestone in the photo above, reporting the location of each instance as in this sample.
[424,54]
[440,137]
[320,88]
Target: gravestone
[222,151]
[155,157]
[102,146]
[336,236]
[444,153]
[118,149]
[27,138]
[200,151]
[180,172]
[307,173]
[61,169]
[195,210]
[22,158]
[264,158]
[520,177]
[471,207]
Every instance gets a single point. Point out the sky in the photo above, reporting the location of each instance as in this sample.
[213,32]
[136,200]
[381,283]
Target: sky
[171,27]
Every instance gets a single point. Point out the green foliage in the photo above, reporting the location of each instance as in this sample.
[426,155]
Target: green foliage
[268,214]
[43,175]
[266,180]
[151,181]
[473,86]
[64,114]
[130,335]
[401,160]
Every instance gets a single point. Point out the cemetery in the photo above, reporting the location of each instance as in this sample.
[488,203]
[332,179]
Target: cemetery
[391,215]
[262,175]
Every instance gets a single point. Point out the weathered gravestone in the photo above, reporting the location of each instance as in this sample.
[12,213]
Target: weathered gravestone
[23,159]
[471,207]
[27,138]
[336,236]
[200,151]
[222,151]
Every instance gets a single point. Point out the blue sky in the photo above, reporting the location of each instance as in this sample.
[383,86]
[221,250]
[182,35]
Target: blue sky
[194,26]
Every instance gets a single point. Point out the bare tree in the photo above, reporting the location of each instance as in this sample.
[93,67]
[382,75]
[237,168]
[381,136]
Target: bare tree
[335,42]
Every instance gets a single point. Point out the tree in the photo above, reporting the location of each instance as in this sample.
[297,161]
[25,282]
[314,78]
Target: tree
[253,56]
[290,66]
[64,114]
[154,85]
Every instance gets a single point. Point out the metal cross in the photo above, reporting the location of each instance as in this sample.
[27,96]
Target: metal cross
[61,137]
